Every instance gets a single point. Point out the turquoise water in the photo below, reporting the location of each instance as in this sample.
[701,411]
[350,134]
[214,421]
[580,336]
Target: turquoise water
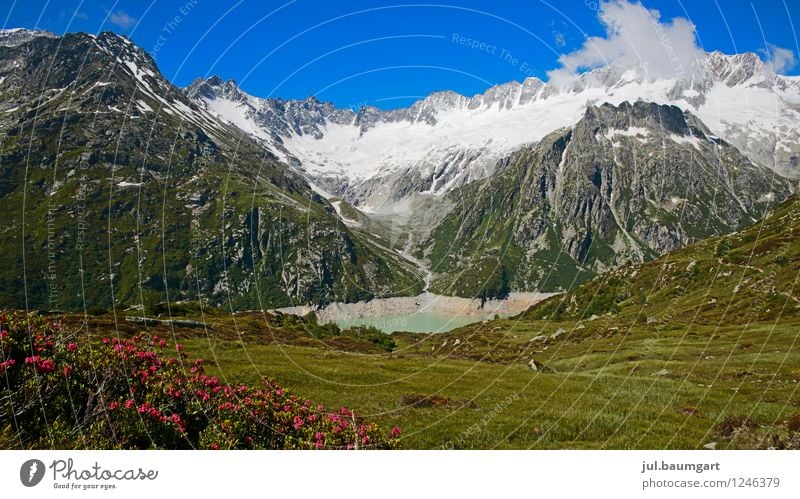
[422,322]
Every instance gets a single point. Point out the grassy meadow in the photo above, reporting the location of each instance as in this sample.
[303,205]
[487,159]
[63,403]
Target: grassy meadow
[598,384]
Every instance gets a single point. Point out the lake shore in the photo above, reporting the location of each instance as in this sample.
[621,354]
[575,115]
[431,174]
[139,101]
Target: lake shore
[451,306]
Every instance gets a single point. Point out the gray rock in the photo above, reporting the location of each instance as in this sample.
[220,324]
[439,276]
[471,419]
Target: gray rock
[534,365]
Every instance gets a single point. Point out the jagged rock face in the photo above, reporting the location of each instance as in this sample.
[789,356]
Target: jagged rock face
[273,118]
[623,185]
[447,140]
[121,190]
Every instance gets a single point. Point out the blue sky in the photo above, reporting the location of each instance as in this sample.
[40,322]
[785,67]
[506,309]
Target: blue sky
[390,53]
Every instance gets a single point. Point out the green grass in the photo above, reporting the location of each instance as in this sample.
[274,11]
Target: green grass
[729,355]
[599,391]
[721,317]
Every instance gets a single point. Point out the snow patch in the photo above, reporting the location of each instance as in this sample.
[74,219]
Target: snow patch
[142,105]
[337,205]
[634,131]
[686,139]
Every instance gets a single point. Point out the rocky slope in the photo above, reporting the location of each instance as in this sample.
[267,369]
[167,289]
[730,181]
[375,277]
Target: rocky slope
[624,184]
[117,189]
[741,278]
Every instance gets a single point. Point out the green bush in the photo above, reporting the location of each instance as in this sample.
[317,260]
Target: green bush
[60,392]
[552,309]
[723,247]
[372,335]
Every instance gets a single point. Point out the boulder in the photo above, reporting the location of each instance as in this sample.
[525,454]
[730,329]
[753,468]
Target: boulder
[534,365]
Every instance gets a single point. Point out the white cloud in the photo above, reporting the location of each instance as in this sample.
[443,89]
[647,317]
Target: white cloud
[781,59]
[121,19]
[78,14]
[635,38]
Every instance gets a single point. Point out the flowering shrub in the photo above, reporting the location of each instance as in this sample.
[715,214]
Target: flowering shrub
[59,392]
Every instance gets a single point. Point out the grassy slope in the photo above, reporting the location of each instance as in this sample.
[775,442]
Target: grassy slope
[738,356]
[748,276]
[603,385]
[591,400]
[598,392]
[729,354]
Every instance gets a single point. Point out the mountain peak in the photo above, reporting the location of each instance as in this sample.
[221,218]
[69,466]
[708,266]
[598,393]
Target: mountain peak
[216,81]
[215,87]
[657,118]
[737,68]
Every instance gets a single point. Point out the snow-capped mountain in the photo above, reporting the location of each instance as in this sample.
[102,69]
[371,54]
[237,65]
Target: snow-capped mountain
[624,184]
[154,95]
[18,36]
[376,158]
